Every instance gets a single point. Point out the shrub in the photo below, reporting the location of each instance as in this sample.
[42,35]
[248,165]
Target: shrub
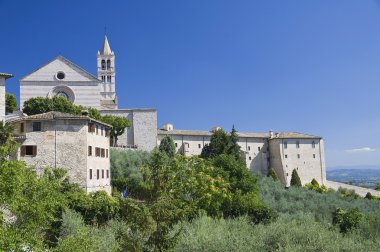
[347,220]
[167,146]
[295,181]
[272,174]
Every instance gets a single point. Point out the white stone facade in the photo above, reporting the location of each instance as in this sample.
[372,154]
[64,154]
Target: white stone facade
[3,77]
[303,153]
[59,140]
[142,134]
[64,78]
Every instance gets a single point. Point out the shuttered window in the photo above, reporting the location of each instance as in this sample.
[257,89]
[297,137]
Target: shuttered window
[28,150]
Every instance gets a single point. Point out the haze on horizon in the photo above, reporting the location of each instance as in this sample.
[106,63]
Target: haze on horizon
[310,66]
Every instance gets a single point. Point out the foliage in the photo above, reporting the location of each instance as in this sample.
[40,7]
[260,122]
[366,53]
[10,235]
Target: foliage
[118,125]
[314,185]
[233,148]
[299,200]
[295,180]
[272,174]
[167,146]
[10,103]
[347,220]
[377,187]
[39,105]
[286,234]
[7,143]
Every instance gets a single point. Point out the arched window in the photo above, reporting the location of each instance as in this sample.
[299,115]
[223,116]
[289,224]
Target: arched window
[108,64]
[103,64]
[109,79]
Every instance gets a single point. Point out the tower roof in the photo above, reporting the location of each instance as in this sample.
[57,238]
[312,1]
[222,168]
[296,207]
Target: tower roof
[106,49]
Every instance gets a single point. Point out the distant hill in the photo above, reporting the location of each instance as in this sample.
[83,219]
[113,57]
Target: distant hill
[365,176]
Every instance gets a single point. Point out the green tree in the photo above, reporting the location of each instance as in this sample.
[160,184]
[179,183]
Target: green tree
[7,143]
[167,146]
[118,126]
[347,220]
[314,182]
[37,105]
[233,148]
[295,180]
[377,187]
[10,103]
[272,174]
[218,144]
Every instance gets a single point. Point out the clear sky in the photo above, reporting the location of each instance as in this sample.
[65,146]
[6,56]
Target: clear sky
[287,65]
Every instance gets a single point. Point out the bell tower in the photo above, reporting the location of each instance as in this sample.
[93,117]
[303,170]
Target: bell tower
[106,73]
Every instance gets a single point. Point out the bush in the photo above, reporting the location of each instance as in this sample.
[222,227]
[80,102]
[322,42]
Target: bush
[295,181]
[347,220]
[272,174]
[167,146]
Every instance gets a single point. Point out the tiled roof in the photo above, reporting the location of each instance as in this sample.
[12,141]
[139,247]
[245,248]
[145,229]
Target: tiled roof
[52,115]
[281,135]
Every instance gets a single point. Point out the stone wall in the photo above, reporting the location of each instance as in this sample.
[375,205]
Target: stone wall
[2,99]
[143,131]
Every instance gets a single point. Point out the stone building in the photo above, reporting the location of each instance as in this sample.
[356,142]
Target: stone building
[283,151]
[64,78]
[3,77]
[78,144]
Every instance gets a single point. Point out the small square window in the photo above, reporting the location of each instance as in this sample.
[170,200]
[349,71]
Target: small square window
[29,150]
[36,126]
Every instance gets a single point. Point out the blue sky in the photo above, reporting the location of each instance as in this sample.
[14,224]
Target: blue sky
[307,66]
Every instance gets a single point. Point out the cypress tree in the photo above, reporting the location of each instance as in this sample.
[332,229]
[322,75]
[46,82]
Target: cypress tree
[295,181]
[167,146]
[314,182]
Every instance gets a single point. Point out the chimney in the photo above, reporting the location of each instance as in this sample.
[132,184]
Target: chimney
[270,133]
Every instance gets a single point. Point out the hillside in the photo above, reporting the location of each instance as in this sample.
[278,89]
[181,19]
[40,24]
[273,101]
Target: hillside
[367,176]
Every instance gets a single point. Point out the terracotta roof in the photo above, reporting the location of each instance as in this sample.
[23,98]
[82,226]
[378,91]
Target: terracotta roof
[6,75]
[281,135]
[53,115]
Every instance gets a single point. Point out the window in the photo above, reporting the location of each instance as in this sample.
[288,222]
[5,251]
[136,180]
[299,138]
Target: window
[109,79]
[90,150]
[108,64]
[106,153]
[103,64]
[97,152]
[297,144]
[22,127]
[108,173]
[103,78]
[97,129]
[313,155]
[36,126]
[91,127]
[250,158]
[259,148]
[287,174]
[286,156]
[97,174]
[90,173]
[249,148]
[102,152]
[102,173]
[199,146]
[313,145]
[285,145]
[298,156]
[29,150]
[101,131]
